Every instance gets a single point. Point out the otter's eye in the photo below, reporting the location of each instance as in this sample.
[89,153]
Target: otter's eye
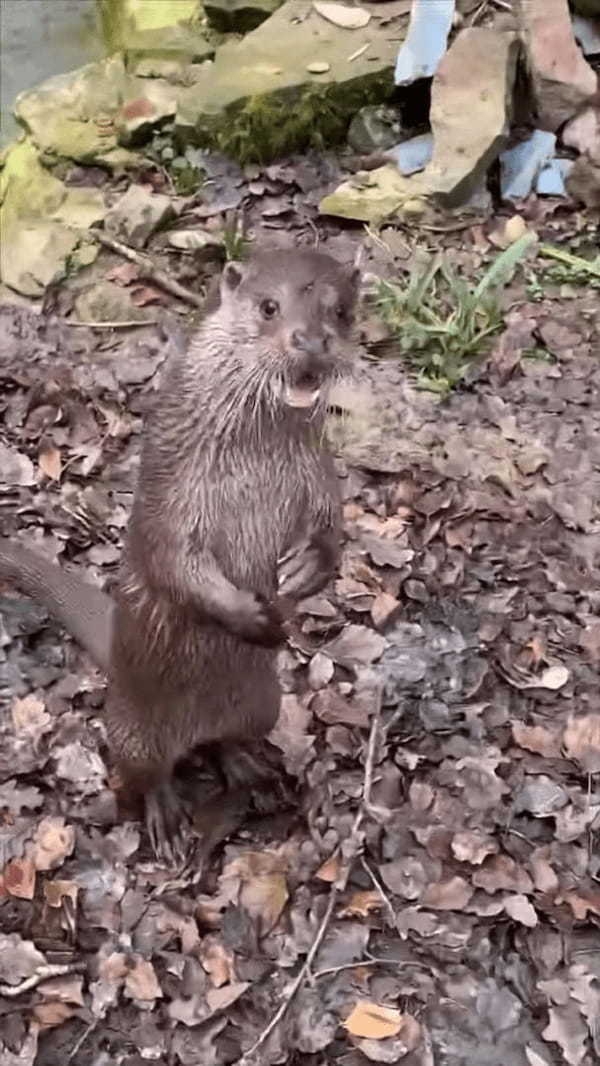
[340,312]
[269,308]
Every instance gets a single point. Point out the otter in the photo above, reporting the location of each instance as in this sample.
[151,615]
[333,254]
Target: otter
[237,509]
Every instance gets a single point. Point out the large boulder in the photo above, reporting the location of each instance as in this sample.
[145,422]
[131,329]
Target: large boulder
[288,84]
[562,80]
[471,105]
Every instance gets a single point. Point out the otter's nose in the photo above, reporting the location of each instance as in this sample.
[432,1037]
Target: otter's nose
[314,344]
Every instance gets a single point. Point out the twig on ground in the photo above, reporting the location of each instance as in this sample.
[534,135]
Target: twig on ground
[350,850]
[43,974]
[82,1039]
[148,269]
[379,888]
[331,971]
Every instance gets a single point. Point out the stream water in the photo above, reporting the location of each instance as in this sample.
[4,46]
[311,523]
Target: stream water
[39,38]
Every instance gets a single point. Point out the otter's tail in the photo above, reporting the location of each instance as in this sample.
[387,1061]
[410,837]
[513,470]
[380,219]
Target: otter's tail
[84,610]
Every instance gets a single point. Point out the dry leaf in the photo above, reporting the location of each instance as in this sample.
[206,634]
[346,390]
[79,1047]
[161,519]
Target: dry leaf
[141,981]
[53,1013]
[382,608]
[373,1022]
[221,998]
[361,904]
[19,878]
[17,469]
[349,18]
[580,904]
[451,895]
[30,717]
[537,739]
[56,891]
[567,1029]
[520,910]
[355,646]
[544,877]
[330,870]
[50,463]
[472,846]
[263,891]
[53,841]
[581,741]
[217,961]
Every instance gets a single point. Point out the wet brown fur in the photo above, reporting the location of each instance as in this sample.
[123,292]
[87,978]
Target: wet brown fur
[230,478]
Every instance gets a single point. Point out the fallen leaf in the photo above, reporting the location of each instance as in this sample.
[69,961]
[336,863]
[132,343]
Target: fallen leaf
[349,18]
[374,1022]
[537,739]
[141,982]
[17,469]
[53,841]
[356,645]
[544,877]
[451,895]
[19,878]
[318,67]
[30,716]
[361,904]
[472,846]
[501,872]
[330,870]
[581,741]
[382,608]
[56,891]
[50,463]
[217,961]
[567,1029]
[520,910]
[333,709]
[53,1013]
[263,891]
[221,998]
[581,903]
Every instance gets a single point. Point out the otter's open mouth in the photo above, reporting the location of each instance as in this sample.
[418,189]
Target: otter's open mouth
[304,392]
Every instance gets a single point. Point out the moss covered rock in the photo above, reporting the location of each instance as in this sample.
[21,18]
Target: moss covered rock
[43,223]
[157,26]
[259,99]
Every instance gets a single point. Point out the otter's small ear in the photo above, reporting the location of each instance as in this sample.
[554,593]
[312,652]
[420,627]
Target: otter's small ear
[231,277]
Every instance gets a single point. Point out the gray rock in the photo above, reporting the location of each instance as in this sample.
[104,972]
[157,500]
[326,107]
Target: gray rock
[551,178]
[138,214]
[520,166]
[413,155]
[470,111]
[562,80]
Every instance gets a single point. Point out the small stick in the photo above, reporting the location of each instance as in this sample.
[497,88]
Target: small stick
[148,269]
[43,974]
[350,851]
[379,888]
[109,325]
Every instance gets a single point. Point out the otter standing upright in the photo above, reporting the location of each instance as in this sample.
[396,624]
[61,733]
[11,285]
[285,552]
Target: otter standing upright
[237,500]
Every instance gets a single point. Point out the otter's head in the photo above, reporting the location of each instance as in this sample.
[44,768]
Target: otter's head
[293,313]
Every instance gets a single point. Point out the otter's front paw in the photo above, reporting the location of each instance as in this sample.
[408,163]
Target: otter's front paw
[256,620]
